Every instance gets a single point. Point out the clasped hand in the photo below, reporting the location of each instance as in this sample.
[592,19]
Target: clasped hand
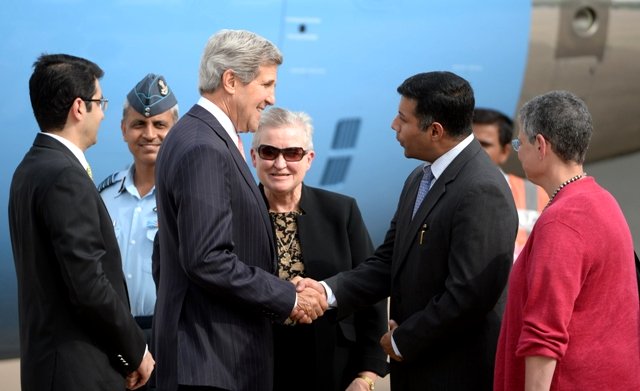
[312,300]
[140,376]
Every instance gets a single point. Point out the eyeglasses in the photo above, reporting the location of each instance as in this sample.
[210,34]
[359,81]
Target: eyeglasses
[291,154]
[104,103]
[516,144]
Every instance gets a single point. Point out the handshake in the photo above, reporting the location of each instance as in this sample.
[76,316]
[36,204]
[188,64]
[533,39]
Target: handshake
[311,300]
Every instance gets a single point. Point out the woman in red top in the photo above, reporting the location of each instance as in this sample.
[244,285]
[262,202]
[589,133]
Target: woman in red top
[572,320]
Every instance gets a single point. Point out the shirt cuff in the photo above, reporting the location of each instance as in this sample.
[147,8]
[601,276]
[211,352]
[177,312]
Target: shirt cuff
[331,298]
[395,348]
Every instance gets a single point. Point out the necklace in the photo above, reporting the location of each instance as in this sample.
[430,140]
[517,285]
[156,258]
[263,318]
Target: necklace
[285,247]
[563,184]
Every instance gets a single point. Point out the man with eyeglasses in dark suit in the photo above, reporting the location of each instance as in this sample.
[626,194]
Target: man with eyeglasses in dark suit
[76,331]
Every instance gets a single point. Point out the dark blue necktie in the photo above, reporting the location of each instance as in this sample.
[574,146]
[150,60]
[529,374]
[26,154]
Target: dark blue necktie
[425,184]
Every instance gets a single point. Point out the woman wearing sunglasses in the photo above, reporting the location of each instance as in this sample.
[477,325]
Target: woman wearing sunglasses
[318,234]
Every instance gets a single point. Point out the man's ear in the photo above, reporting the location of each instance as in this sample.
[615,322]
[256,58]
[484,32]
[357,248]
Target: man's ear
[78,109]
[436,131]
[505,151]
[229,81]
[123,128]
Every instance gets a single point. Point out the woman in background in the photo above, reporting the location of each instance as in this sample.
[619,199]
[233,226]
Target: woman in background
[572,320]
[318,234]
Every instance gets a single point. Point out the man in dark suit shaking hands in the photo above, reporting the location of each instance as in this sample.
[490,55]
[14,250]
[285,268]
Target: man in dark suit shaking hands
[448,251]
[215,261]
[76,330]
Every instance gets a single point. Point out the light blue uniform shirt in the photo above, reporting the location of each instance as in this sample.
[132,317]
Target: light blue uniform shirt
[135,221]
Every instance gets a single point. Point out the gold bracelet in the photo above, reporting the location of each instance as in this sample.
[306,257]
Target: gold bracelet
[369,381]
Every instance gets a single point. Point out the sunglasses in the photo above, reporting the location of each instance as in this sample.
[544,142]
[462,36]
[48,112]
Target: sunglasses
[291,154]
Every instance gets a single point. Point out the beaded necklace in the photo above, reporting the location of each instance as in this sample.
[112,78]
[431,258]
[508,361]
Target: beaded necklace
[563,184]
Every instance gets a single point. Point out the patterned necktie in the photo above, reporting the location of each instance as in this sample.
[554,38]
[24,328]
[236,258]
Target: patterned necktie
[425,184]
[89,171]
[241,148]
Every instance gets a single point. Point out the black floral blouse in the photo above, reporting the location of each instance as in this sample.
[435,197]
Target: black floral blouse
[290,263]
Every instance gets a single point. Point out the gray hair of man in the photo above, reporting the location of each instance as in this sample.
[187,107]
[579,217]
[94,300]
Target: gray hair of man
[563,120]
[241,51]
[174,110]
[278,118]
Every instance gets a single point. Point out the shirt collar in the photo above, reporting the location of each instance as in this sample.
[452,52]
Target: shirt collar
[221,116]
[77,152]
[129,186]
[127,182]
[441,163]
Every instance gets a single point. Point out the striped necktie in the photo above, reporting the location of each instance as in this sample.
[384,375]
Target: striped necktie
[89,171]
[425,184]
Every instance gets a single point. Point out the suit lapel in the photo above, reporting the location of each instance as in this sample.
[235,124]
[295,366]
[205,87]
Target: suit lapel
[405,208]
[241,164]
[431,201]
[306,226]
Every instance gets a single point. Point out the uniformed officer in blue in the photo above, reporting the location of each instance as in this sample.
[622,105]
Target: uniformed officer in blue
[150,110]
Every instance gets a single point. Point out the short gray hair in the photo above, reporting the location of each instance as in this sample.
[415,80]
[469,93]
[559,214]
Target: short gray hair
[174,110]
[276,118]
[239,50]
[561,118]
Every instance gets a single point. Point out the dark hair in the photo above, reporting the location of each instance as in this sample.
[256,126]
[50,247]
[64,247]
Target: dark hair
[443,97]
[561,118]
[57,80]
[494,117]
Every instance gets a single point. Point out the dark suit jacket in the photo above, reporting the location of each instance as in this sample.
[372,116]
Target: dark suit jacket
[76,331]
[217,292]
[333,238]
[446,271]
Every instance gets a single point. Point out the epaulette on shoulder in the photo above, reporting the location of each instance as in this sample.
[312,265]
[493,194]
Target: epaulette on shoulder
[109,181]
